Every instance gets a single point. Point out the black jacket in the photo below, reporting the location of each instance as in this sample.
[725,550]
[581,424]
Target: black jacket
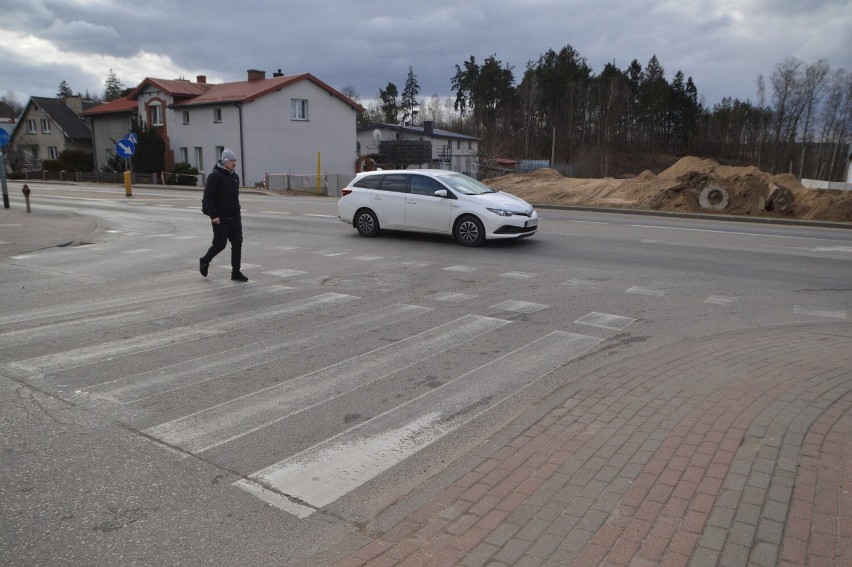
[222,193]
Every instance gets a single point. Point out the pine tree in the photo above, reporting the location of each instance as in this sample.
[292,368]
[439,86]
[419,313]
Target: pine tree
[64,90]
[409,97]
[114,87]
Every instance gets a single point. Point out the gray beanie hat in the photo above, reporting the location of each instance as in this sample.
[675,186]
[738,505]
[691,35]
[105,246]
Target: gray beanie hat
[228,155]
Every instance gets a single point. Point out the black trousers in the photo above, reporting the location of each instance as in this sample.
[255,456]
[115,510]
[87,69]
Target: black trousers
[227,230]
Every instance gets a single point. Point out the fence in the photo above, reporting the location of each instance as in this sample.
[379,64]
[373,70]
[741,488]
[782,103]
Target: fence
[93,176]
[330,184]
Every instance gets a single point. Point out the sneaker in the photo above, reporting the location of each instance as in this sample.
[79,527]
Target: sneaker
[238,277]
[202,266]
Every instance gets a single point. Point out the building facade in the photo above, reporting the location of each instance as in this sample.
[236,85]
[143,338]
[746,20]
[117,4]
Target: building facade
[49,126]
[283,124]
[456,152]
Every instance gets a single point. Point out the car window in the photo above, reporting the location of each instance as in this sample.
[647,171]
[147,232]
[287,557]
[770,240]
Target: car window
[422,185]
[466,185]
[396,182]
[368,182]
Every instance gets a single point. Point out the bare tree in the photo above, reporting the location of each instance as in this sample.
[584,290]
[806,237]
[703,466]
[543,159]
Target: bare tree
[814,84]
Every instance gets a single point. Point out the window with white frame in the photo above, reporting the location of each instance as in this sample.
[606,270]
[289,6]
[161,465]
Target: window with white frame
[183,153]
[31,126]
[217,115]
[52,152]
[199,158]
[186,117]
[298,109]
[219,150]
[45,126]
[155,109]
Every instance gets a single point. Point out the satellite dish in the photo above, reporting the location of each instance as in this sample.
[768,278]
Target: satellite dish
[377,135]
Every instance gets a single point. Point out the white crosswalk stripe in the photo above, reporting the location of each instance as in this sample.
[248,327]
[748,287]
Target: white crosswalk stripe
[325,472]
[226,422]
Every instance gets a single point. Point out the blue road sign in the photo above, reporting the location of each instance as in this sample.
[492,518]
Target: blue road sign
[132,137]
[4,137]
[125,148]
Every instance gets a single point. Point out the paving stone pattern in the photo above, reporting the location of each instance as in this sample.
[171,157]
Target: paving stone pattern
[733,450]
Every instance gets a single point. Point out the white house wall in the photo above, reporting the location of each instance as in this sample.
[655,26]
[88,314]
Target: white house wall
[272,142]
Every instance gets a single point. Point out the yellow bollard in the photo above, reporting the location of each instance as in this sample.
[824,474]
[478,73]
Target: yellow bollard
[128,191]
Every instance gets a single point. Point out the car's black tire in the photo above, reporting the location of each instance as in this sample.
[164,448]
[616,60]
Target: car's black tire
[469,231]
[366,222]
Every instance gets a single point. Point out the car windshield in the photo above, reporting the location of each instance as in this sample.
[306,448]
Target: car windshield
[466,185]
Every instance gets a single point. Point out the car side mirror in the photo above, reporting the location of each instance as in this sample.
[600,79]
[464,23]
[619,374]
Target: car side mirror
[441,193]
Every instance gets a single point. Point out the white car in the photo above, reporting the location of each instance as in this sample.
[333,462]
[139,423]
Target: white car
[437,201]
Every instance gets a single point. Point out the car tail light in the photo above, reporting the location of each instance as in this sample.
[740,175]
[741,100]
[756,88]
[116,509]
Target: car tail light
[345,191]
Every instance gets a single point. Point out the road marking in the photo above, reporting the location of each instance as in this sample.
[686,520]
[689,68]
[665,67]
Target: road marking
[451,297]
[97,353]
[317,215]
[321,474]
[461,269]
[367,258]
[329,253]
[605,321]
[645,291]
[520,306]
[275,213]
[131,389]
[241,416]
[518,275]
[800,310]
[720,299]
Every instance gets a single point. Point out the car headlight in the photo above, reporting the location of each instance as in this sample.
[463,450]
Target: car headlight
[501,212]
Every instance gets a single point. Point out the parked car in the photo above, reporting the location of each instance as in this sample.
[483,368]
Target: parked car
[436,201]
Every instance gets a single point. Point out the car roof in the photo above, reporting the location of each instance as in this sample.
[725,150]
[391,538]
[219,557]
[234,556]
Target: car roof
[422,171]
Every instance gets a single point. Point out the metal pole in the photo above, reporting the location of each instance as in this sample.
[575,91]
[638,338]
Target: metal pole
[553,149]
[3,181]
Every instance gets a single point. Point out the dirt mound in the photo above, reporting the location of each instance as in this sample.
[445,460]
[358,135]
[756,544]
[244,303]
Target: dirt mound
[690,185]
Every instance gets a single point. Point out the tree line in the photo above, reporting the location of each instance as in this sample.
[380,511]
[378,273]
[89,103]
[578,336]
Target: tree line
[801,122]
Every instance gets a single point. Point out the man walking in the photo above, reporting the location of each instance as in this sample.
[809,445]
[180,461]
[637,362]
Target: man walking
[221,203]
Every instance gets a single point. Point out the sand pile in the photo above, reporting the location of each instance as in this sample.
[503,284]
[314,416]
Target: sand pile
[690,185]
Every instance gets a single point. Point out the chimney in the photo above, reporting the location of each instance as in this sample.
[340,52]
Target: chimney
[428,128]
[201,79]
[255,75]
[278,74]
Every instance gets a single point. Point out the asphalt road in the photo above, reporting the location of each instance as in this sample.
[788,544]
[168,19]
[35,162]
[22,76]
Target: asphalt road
[152,416]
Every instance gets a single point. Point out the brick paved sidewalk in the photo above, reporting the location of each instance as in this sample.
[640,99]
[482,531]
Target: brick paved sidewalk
[733,450]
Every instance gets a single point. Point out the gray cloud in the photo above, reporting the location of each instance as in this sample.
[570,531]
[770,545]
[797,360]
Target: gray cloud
[723,46]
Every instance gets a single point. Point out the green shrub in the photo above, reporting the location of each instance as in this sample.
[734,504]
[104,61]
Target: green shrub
[75,160]
[51,165]
[183,174]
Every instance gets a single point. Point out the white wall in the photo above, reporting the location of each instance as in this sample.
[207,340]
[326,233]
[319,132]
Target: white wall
[272,142]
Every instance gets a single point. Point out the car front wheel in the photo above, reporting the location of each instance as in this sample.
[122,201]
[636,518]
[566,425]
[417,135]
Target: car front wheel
[469,231]
[367,223]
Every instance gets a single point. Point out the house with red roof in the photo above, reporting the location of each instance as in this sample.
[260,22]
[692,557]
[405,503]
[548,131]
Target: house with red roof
[281,124]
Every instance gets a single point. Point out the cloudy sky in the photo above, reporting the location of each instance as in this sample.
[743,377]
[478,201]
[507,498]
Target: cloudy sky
[722,44]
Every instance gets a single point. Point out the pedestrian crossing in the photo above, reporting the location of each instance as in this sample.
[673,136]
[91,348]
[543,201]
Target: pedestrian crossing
[130,376]
[170,364]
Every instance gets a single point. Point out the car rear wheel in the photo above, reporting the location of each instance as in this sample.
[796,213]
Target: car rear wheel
[469,231]
[367,223]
